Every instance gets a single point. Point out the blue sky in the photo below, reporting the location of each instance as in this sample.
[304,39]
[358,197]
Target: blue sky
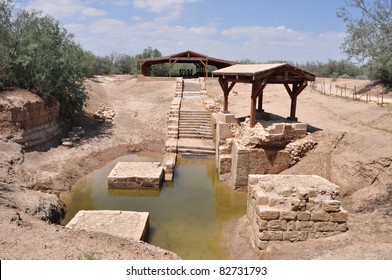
[261,30]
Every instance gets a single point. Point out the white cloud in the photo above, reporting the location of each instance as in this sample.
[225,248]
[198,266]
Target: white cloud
[270,43]
[65,8]
[158,6]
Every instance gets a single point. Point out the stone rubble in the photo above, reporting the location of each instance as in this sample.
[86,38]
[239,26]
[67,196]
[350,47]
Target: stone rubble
[74,137]
[104,114]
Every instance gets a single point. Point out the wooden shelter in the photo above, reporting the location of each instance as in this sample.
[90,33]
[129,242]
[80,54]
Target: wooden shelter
[294,80]
[201,62]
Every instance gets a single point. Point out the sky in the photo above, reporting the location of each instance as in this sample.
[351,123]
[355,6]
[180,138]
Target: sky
[259,30]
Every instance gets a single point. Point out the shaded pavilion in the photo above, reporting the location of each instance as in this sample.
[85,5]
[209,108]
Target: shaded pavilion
[201,61]
[294,80]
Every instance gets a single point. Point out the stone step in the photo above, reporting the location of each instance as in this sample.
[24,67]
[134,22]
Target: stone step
[195,130]
[211,149]
[196,151]
[194,136]
[195,125]
[203,112]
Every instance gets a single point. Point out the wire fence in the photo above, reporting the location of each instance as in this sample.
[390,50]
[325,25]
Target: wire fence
[353,93]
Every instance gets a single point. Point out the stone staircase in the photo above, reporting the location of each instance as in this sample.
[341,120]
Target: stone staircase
[194,129]
[195,124]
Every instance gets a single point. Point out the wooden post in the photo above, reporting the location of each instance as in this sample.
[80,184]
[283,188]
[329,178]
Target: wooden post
[225,102]
[224,83]
[253,112]
[260,104]
[293,108]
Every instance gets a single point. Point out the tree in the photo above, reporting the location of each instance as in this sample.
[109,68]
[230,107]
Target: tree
[369,35]
[44,58]
[5,29]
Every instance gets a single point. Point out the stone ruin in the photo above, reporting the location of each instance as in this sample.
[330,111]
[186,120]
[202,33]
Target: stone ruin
[293,208]
[268,148]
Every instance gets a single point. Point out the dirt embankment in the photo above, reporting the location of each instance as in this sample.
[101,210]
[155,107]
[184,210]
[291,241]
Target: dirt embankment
[33,180]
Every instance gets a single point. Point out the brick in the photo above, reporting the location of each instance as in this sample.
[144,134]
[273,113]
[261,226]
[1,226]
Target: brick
[303,216]
[319,216]
[325,226]
[295,204]
[271,236]
[330,205]
[295,236]
[288,215]
[304,226]
[266,213]
[277,225]
[262,224]
[339,216]
[261,197]
[291,226]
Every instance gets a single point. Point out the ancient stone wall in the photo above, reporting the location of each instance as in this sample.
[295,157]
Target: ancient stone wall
[26,119]
[293,208]
[173,123]
[265,149]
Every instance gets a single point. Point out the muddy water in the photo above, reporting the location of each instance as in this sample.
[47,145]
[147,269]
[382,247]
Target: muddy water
[187,215]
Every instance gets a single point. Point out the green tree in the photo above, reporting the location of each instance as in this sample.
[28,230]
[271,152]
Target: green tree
[369,35]
[156,70]
[46,60]
[5,29]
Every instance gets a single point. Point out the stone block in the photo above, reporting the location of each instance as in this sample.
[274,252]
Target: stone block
[319,216]
[226,117]
[303,216]
[225,164]
[284,190]
[136,175]
[339,216]
[277,225]
[125,224]
[295,236]
[325,226]
[267,213]
[330,205]
[304,226]
[288,215]
[295,204]
[291,226]
[261,224]
[261,198]
[270,236]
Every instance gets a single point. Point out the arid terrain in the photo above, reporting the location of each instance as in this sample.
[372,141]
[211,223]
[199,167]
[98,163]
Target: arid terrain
[354,151]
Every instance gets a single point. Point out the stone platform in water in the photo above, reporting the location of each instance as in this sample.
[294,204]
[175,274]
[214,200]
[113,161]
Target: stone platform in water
[134,175]
[126,224]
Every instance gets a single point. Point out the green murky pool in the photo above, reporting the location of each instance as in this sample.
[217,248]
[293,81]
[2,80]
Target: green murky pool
[187,215]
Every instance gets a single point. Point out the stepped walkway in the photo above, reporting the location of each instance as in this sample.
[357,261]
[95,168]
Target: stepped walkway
[194,131]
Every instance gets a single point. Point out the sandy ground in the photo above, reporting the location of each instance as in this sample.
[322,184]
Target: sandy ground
[354,152]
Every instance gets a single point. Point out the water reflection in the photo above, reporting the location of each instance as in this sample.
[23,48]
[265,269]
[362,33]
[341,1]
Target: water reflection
[186,215]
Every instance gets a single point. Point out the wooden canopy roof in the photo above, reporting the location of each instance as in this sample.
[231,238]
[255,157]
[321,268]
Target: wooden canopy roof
[199,59]
[259,75]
